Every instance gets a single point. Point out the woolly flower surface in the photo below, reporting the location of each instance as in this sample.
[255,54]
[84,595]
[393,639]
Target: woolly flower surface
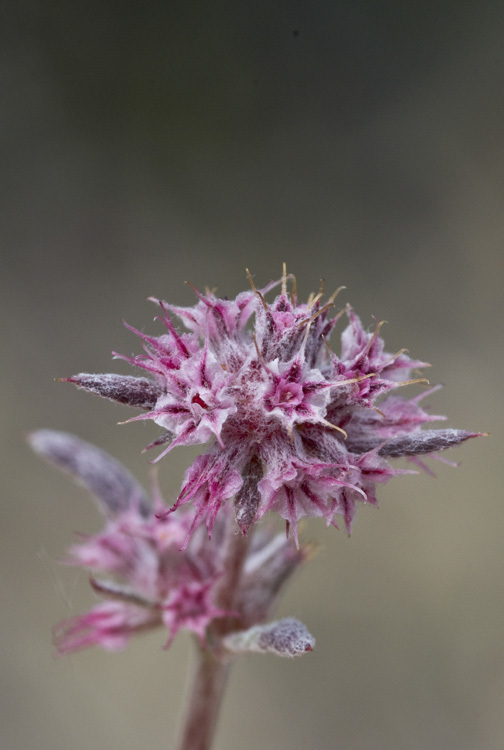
[293,426]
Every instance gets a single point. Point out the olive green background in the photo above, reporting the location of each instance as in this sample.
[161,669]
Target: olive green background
[361,142]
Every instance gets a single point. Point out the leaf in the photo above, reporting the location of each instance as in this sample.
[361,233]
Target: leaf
[112,485]
[141,393]
[287,637]
[425,441]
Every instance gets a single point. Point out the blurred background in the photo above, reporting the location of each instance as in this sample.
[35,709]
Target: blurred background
[154,143]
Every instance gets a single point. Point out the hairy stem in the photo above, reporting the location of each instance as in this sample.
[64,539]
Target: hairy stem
[234,554]
[209,681]
[204,701]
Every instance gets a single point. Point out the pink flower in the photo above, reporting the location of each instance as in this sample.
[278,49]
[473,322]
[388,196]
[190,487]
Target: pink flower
[137,565]
[148,580]
[109,625]
[294,427]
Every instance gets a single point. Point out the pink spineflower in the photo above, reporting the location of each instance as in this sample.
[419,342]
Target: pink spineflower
[148,580]
[293,427]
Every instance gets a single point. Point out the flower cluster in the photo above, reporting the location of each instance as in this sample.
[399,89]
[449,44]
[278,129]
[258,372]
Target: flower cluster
[150,581]
[293,427]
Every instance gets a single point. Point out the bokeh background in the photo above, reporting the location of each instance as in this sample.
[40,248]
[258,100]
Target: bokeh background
[152,143]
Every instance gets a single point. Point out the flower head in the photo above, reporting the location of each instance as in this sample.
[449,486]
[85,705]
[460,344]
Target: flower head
[293,427]
[137,565]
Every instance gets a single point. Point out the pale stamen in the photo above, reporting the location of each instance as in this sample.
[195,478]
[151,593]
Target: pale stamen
[293,294]
[313,300]
[334,427]
[335,294]
[355,380]
[327,305]
[394,357]
[255,290]
[340,313]
[313,317]
[259,355]
[284,279]
[411,382]
[373,338]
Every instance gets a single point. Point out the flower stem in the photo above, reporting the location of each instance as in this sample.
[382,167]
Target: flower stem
[234,554]
[209,681]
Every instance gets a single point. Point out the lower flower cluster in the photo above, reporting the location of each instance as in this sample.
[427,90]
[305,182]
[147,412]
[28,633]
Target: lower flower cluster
[138,566]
